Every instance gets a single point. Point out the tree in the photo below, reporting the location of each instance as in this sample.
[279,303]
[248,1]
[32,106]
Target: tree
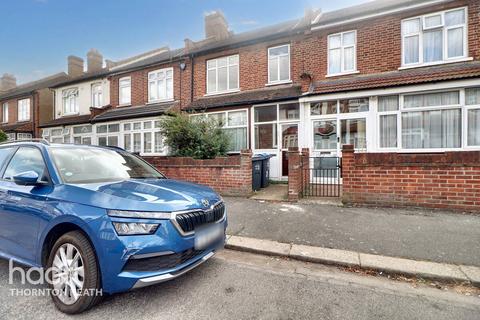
[3,136]
[196,137]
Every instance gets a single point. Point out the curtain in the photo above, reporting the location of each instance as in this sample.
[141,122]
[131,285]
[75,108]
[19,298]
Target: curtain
[455,42]
[387,103]
[388,131]
[474,127]
[432,99]
[431,129]
[349,59]
[472,96]
[334,61]
[432,46]
[238,138]
[411,49]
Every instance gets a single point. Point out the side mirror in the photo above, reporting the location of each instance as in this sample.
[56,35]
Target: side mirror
[29,178]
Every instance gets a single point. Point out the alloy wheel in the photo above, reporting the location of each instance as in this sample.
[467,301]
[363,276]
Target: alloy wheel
[68,274]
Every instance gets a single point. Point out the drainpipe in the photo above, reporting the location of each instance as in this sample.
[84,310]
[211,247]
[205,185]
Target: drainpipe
[191,76]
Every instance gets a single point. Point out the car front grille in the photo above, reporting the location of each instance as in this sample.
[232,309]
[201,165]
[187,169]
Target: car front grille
[164,262]
[190,220]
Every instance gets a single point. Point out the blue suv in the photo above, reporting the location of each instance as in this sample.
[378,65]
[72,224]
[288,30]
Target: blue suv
[101,219]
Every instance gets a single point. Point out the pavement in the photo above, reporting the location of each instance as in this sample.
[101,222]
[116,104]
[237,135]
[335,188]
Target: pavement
[425,235]
[236,285]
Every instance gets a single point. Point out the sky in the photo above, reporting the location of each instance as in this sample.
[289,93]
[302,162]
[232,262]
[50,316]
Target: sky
[36,36]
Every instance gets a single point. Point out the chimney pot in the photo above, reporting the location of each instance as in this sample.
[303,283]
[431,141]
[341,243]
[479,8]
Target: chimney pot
[7,82]
[216,26]
[75,66]
[94,61]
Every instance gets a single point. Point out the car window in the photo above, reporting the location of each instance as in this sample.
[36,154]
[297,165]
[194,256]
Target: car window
[27,159]
[4,155]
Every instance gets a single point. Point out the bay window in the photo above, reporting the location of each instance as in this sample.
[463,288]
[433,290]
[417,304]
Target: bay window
[143,137]
[234,123]
[342,53]
[160,85]
[434,38]
[223,74]
[23,110]
[279,64]
[70,101]
[125,90]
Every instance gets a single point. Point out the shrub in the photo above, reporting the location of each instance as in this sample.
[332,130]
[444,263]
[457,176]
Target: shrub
[3,136]
[198,137]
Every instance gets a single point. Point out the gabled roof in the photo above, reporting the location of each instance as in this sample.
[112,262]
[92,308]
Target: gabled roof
[263,95]
[369,8]
[34,85]
[161,57]
[401,77]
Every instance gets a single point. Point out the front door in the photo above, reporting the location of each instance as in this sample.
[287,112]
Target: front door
[22,207]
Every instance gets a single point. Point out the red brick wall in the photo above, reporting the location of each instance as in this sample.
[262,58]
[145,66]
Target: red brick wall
[449,180]
[298,173]
[139,78]
[13,113]
[378,41]
[227,175]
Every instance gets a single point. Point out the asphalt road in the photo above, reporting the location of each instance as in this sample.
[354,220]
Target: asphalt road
[237,285]
[414,234]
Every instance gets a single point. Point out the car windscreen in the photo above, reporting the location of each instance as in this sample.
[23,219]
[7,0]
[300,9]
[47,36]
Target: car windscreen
[96,165]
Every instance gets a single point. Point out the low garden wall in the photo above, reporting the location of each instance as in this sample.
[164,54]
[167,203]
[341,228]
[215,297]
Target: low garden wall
[449,180]
[230,175]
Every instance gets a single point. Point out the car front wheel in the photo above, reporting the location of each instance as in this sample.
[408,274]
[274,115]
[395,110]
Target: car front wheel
[74,273]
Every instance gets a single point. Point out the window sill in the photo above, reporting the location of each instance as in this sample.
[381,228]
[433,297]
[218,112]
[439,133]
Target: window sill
[278,83]
[21,121]
[125,105]
[220,93]
[70,114]
[341,74]
[160,101]
[435,63]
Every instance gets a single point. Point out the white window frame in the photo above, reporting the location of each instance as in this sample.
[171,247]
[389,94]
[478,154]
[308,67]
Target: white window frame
[23,106]
[342,54]
[168,96]
[83,135]
[142,131]
[67,96]
[24,136]
[121,100]
[444,29]
[97,95]
[11,136]
[5,112]
[277,59]
[228,75]
[467,108]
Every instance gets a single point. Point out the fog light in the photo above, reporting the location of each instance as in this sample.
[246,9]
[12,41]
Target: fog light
[132,228]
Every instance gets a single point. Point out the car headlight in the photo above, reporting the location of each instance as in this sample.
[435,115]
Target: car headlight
[133,228]
[139,214]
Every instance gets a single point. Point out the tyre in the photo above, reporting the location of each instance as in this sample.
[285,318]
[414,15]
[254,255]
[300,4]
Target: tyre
[75,273]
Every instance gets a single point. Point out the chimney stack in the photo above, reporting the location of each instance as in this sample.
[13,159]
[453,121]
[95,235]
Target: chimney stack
[75,66]
[94,61]
[216,26]
[7,82]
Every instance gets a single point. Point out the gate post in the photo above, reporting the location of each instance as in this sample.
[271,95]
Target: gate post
[294,174]
[305,169]
[348,162]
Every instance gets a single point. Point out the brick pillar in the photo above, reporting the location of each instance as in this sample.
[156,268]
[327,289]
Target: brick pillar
[305,168]
[348,163]
[246,168]
[294,174]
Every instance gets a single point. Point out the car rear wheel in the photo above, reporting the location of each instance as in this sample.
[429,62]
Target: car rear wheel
[74,273]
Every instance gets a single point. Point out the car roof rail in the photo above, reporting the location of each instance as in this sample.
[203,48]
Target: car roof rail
[41,140]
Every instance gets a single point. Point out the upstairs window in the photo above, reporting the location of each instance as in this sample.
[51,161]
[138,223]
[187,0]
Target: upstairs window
[125,91]
[342,53]
[435,38]
[97,95]
[160,85]
[24,110]
[70,101]
[279,64]
[5,112]
[222,74]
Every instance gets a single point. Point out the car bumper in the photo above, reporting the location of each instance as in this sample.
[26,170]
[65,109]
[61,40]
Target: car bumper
[145,282]
[115,252]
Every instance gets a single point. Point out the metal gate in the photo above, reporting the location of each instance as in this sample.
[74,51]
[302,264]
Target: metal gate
[322,177]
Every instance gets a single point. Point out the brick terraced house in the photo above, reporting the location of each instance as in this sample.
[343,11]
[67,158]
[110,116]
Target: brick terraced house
[392,76]
[25,106]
